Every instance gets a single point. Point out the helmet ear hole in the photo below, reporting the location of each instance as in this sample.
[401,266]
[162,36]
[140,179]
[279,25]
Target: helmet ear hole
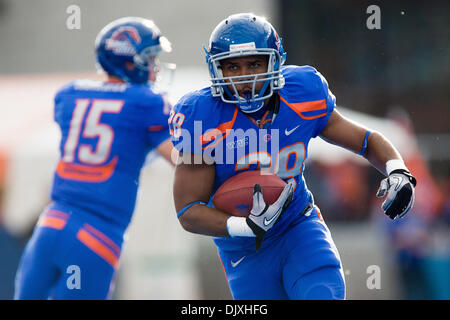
[129,65]
[138,59]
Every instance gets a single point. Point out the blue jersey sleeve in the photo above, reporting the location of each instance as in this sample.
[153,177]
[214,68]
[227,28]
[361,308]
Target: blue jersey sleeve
[307,93]
[57,108]
[158,108]
[330,100]
[58,101]
[190,121]
[158,137]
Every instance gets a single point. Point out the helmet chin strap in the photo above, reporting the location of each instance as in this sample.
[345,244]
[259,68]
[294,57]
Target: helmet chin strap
[254,106]
[251,107]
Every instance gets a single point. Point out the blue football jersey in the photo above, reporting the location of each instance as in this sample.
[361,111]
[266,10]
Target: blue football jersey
[225,136]
[107,130]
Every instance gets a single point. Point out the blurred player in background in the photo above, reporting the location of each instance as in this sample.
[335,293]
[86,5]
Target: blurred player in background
[252,91]
[108,128]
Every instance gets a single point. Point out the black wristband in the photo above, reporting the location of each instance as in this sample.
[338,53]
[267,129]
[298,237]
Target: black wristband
[258,231]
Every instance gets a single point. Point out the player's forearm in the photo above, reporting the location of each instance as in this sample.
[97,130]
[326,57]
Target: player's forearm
[204,220]
[379,151]
[165,150]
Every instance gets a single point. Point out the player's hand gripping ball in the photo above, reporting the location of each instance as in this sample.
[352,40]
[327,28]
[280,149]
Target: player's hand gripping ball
[260,197]
[235,196]
[263,216]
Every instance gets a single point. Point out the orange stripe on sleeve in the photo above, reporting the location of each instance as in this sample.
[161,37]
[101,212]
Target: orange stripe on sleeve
[52,222]
[57,213]
[300,107]
[319,215]
[222,128]
[99,248]
[156,128]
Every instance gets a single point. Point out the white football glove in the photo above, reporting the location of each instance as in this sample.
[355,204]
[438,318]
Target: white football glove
[263,217]
[399,186]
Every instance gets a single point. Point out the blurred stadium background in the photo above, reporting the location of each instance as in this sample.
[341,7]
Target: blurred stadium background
[395,80]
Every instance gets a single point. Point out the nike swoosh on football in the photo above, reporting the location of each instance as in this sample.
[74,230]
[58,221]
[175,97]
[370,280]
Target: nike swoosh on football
[234,264]
[267,222]
[286,132]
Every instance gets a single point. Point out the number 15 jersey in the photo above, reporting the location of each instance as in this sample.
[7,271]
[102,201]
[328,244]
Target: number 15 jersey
[107,130]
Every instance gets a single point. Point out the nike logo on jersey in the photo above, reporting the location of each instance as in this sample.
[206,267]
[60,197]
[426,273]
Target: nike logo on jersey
[269,221]
[286,132]
[234,264]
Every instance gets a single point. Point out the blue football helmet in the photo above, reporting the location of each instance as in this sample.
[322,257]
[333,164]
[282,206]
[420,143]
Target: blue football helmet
[245,34]
[127,48]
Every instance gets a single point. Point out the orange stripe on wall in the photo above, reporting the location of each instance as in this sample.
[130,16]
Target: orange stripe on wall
[99,248]
[300,107]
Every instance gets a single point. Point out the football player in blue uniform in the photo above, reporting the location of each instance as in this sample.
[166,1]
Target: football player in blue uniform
[108,128]
[261,115]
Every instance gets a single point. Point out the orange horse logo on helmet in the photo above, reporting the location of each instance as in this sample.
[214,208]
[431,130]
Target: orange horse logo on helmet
[120,41]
